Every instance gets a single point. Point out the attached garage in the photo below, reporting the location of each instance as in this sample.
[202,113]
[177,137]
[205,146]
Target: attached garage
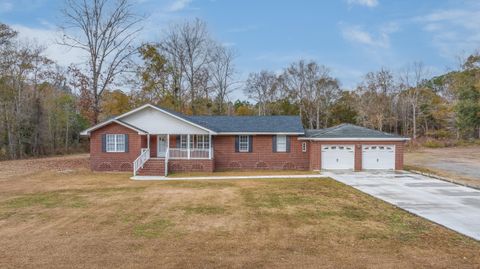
[378,157]
[347,146]
[338,157]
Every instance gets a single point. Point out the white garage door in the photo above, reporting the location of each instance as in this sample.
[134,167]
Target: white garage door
[338,156]
[378,157]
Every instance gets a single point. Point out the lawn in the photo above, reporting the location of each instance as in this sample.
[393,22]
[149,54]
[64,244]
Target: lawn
[70,217]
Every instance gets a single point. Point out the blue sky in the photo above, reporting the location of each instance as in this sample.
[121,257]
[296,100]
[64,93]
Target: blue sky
[352,37]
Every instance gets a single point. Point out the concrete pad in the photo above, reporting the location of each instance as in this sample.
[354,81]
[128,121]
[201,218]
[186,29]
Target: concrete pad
[450,205]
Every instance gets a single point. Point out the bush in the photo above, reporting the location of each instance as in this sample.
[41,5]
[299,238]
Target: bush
[434,144]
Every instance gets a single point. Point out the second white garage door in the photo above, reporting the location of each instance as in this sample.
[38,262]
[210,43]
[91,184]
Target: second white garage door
[338,157]
[378,157]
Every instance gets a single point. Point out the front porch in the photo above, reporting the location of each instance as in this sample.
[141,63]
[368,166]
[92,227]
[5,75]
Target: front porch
[173,152]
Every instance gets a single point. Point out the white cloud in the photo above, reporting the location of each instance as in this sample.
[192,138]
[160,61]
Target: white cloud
[5,6]
[367,3]
[178,5]
[453,30]
[47,37]
[356,34]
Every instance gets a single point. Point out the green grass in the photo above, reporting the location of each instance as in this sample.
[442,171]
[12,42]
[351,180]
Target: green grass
[48,200]
[152,229]
[200,184]
[203,210]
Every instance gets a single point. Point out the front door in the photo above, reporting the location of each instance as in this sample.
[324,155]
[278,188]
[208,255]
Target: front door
[161,145]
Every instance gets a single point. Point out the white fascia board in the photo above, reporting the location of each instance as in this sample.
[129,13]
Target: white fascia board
[168,113]
[354,139]
[259,133]
[93,128]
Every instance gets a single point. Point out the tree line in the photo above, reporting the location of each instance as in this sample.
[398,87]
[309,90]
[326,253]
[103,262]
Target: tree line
[44,106]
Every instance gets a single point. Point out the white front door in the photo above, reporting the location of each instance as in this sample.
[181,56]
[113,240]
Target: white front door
[161,145]
[378,157]
[338,157]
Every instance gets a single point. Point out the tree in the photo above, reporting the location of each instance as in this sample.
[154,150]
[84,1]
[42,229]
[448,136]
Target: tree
[413,80]
[108,31]
[263,88]
[222,72]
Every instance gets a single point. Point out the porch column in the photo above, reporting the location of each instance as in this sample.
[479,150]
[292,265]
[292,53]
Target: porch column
[148,141]
[168,146]
[210,146]
[188,146]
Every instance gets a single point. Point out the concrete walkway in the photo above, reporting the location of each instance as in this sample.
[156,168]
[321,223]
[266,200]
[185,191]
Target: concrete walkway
[225,177]
[450,205]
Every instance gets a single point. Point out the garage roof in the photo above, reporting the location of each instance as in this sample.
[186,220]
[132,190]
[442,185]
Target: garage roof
[350,131]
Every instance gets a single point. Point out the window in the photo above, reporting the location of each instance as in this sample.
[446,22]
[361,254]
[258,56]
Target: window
[183,141]
[243,143]
[281,143]
[196,141]
[202,141]
[115,143]
[304,147]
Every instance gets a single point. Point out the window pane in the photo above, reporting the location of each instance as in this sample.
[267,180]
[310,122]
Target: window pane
[243,143]
[110,143]
[120,143]
[281,143]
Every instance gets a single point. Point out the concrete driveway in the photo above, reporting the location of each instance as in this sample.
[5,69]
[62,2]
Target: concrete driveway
[453,206]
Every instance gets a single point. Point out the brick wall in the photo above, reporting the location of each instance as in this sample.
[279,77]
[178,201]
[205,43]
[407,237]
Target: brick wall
[261,157]
[316,156]
[191,165]
[114,161]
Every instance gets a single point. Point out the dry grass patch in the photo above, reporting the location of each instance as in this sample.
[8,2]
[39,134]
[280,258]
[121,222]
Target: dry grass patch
[91,220]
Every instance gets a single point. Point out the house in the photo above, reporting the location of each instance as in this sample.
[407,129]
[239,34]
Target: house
[151,140]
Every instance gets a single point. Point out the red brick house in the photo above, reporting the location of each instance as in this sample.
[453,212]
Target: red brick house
[151,140]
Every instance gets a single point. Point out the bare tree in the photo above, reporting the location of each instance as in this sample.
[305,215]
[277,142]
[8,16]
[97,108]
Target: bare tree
[106,33]
[222,72]
[263,88]
[411,83]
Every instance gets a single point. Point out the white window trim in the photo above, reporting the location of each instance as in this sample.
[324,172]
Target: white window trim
[245,143]
[304,146]
[115,143]
[282,147]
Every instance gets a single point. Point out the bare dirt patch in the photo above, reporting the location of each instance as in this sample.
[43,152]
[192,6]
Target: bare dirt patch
[461,164]
[82,219]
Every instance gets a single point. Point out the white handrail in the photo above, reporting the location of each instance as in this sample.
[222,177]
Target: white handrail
[193,153]
[141,160]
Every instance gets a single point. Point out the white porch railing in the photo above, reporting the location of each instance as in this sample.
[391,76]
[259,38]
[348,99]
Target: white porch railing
[141,160]
[180,153]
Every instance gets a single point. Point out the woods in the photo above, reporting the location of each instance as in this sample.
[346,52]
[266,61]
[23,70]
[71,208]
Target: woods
[43,105]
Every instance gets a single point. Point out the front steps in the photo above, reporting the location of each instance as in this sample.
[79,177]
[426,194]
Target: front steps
[153,167]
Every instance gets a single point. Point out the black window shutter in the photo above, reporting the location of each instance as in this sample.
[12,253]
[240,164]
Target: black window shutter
[177,141]
[236,143]
[274,143]
[288,143]
[104,143]
[126,142]
[250,143]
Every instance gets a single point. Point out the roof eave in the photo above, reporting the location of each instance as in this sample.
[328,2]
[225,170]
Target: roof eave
[260,133]
[356,138]
[100,125]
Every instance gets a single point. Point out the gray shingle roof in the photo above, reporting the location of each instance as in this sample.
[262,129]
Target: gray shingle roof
[245,124]
[348,131]
[254,124]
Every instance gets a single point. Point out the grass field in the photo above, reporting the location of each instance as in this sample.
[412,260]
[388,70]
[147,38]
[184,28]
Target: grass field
[66,216]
